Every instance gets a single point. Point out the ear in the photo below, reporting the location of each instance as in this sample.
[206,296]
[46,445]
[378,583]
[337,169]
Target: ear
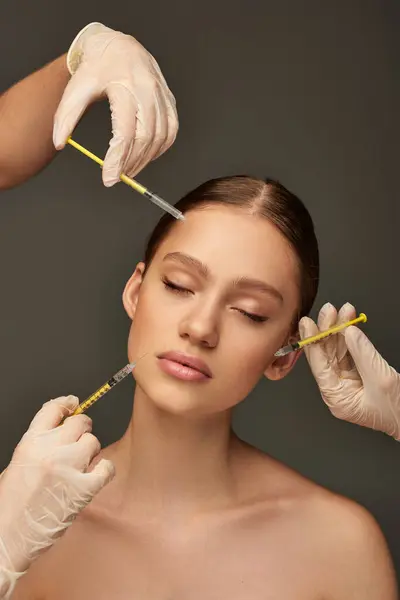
[282,365]
[130,295]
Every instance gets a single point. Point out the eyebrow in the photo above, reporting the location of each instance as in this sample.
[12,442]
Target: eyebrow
[189,261]
[258,286]
[240,283]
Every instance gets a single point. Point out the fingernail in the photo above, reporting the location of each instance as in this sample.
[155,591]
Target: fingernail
[58,137]
[302,328]
[111,473]
[109,180]
[327,306]
[111,172]
[112,169]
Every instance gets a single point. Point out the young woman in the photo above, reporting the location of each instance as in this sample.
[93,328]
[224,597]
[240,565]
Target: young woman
[194,512]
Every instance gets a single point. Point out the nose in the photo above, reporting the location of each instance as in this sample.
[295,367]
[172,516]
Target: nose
[200,326]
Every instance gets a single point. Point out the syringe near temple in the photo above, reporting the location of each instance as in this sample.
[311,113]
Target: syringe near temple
[138,187]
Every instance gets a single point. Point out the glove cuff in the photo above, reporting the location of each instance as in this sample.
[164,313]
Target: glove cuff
[8,580]
[75,52]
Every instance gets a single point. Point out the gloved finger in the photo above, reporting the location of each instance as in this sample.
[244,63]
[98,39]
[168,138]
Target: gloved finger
[307,328]
[123,107]
[145,132]
[161,133]
[325,376]
[73,428]
[53,412]
[327,318]
[158,74]
[346,313]
[82,452]
[368,361]
[101,474]
[78,94]
[158,136]
[171,116]
[173,126]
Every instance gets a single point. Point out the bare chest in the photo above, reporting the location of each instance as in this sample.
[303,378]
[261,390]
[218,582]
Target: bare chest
[197,564]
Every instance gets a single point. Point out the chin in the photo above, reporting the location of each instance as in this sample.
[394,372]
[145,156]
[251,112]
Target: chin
[179,399]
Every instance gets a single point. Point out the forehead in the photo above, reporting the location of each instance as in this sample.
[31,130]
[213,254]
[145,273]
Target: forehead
[233,243]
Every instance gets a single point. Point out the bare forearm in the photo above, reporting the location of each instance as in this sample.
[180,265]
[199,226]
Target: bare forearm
[26,123]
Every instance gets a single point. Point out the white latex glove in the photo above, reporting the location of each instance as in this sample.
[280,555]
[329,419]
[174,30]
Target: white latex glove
[356,383]
[48,481]
[107,63]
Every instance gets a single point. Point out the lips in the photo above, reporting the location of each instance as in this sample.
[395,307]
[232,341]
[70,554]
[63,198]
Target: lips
[185,360]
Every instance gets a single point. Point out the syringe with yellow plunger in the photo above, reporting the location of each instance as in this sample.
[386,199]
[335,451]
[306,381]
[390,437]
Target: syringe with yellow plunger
[320,336]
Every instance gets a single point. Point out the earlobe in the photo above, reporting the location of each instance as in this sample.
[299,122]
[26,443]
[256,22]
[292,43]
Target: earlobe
[131,292]
[282,366]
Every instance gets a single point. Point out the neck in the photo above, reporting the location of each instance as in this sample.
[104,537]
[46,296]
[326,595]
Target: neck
[169,462]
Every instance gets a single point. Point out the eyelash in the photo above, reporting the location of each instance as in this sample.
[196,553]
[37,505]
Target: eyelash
[177,289]
[252,316]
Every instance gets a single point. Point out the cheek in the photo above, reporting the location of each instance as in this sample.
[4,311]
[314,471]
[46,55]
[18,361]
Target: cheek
[150,324]
[246,359]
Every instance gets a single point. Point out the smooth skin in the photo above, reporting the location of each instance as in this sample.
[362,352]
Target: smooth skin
[193,512]
[26,123]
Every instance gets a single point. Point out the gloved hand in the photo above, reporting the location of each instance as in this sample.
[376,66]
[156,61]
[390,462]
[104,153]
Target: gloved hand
[48,481]
[107,63]
[356,383]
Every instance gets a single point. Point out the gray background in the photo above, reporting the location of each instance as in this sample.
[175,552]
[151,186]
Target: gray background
[306,92]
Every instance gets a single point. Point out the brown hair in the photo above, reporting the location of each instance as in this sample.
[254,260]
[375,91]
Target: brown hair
[265,198]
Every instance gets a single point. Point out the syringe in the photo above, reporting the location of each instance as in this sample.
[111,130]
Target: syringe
[320,336]
[119,376]
[132,183]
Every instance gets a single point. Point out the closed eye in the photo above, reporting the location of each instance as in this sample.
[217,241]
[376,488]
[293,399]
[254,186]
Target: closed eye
[252,316]
[178,289]
[173,287]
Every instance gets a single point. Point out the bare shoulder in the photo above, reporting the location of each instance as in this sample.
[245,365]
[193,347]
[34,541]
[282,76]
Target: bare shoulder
[340,537]
[355,547]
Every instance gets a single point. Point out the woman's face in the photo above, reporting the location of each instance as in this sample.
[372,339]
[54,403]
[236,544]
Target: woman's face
[219,297]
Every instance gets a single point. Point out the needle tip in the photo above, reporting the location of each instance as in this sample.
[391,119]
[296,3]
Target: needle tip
[283,351]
